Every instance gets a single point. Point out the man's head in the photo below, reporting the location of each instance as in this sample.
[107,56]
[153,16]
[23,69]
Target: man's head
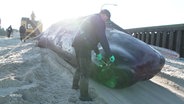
[105,14]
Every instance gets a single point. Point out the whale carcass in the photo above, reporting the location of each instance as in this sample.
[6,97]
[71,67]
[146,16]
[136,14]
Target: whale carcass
[135,60]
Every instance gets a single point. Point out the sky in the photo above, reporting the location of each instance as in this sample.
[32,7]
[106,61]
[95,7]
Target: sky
[125,13]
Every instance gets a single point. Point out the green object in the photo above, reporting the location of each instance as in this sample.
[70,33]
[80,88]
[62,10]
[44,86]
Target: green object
[106,75]
[99,57]
[112,58]
[100,65]
[111,82]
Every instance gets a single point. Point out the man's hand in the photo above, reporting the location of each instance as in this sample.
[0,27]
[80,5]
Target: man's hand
[112,59]
[99,57]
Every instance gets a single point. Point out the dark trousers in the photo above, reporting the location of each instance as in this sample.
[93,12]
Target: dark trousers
[8,34]
[81,76]
[22,36]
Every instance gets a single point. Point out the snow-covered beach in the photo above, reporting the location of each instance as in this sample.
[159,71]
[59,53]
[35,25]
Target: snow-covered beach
[33,75]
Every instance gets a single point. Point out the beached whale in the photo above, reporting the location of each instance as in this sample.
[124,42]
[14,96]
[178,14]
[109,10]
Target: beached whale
[135,60]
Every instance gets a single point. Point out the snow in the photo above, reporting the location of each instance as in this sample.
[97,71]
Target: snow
[33,75]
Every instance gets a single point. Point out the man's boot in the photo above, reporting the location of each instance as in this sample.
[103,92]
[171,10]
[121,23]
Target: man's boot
[84,96]
[76,79]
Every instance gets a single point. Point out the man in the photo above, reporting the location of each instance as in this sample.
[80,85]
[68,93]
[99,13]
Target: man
[92,32]
[9,31]
[22,31]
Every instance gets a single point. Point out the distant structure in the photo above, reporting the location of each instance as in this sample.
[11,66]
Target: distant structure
[165,36]
[32,26]
[33,16]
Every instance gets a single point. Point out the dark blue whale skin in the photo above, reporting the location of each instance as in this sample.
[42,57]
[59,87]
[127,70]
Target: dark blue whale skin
[135,60]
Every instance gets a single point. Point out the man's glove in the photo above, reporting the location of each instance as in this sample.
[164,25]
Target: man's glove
[99,57]
[112,59]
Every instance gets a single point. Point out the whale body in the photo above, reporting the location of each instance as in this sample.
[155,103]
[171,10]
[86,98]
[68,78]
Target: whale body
[135,60]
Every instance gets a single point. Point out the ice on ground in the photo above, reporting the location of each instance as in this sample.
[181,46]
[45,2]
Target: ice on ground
[32,75]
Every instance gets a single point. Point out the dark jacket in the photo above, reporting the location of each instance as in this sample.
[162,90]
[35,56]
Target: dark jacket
[9,29]
[92,32]
[22,29]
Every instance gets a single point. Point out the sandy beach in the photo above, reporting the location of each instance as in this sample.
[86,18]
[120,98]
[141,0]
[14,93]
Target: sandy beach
[33,75]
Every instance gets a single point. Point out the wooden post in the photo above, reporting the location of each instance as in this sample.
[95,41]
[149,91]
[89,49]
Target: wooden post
[138,35]
[158,39]
[182,45]
[152,38]
[135,34]
[147,37]
[178,41]
[142,36]
[171,37]
[164,38]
